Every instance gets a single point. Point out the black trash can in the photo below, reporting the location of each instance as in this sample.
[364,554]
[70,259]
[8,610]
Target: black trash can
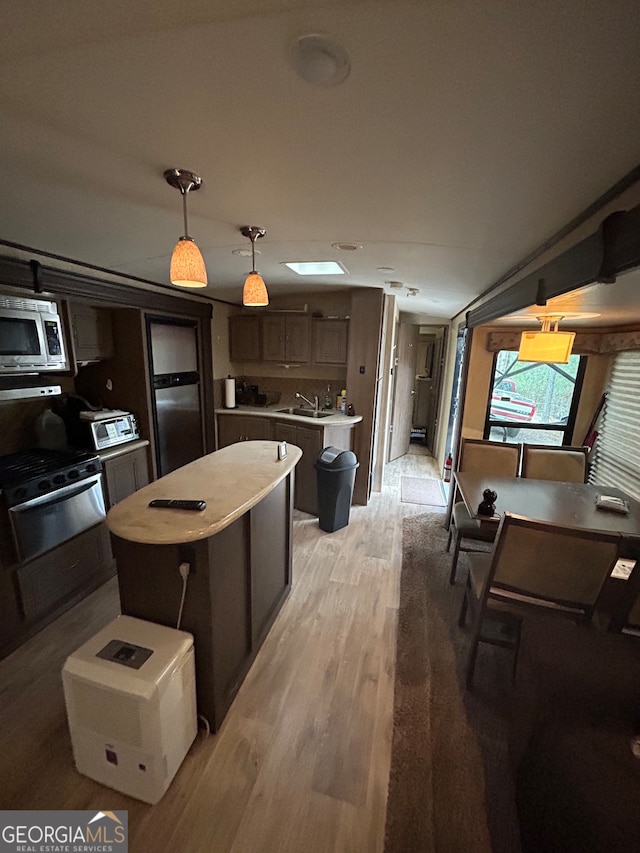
[336,474]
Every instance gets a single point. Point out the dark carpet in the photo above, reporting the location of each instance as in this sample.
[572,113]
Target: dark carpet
[450,786]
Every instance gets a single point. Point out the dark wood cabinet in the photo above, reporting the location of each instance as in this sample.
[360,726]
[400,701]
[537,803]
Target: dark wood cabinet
[92,332]
[124,475]
[35,593]
[310,441]
[274,338]
[286,338]
[238,581]
[244,337]
[75,567]
[234,428]
[330,341]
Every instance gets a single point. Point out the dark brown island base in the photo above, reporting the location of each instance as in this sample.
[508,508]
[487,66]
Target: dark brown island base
[237,553]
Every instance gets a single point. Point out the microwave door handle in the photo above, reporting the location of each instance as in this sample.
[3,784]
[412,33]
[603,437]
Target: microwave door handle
[60,495]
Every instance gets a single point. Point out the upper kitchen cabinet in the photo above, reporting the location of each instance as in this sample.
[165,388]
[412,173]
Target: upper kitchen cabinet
[330,341]
[244,337]
[92,332]
[285,338]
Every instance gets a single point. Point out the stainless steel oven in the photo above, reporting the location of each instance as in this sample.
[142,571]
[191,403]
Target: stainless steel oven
[41,523]
[50,496]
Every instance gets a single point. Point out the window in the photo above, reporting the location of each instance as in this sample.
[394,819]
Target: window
[533,403]
[617,447]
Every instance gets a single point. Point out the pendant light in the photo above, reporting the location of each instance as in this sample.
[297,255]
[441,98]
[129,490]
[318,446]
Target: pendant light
[187,263]
[548,346]
[254,294]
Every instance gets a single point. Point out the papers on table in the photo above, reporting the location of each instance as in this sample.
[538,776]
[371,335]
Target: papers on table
[611,503]
[623,568]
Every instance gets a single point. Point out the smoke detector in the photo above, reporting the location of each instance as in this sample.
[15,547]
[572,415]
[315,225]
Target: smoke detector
[413,291]
[319,60]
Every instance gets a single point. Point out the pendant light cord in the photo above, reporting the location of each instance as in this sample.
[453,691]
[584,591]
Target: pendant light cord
[184,209]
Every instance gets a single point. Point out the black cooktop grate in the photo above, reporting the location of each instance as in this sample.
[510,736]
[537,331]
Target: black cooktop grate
[24,465]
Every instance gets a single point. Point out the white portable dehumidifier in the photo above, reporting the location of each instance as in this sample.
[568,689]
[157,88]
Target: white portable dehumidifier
[131,705]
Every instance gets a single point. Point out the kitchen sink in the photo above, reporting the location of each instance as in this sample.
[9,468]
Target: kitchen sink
[305,413]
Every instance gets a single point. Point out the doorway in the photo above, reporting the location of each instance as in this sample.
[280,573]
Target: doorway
[417,383]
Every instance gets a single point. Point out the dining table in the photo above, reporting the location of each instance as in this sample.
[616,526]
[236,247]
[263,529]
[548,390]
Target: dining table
[568,504]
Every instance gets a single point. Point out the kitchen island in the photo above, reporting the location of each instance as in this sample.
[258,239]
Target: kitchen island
[237,553]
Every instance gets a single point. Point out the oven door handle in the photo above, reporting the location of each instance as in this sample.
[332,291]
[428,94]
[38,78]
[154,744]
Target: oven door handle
[61,494]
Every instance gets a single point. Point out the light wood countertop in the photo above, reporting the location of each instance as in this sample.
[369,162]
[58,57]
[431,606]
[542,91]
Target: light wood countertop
[121,449]
[275,412]
[231,481]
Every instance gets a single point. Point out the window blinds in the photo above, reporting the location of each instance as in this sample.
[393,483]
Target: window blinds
[617,449]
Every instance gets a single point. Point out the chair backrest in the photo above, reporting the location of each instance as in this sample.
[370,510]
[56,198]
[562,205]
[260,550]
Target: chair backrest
[489,457]
[562,569]
[544,462]
[633,619]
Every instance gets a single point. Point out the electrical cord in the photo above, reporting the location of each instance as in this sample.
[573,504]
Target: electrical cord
[184,569]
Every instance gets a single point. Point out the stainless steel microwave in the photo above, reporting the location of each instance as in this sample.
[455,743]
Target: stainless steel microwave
[30,336]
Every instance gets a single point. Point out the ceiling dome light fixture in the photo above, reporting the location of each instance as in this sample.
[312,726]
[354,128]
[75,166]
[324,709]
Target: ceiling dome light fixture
[319,60]
[187,263]
[347,247]
[254,294]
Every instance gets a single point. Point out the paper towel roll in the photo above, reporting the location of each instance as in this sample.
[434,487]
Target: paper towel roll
[230,393]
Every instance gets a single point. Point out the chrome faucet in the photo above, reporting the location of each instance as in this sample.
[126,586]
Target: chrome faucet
[316,401]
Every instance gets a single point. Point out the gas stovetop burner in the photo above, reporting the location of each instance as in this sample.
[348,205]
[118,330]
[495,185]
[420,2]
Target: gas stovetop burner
[26,474]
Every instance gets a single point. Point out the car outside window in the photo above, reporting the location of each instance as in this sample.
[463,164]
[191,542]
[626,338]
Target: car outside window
[531,402]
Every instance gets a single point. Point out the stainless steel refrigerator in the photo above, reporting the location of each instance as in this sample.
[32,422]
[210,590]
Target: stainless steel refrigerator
[173,351]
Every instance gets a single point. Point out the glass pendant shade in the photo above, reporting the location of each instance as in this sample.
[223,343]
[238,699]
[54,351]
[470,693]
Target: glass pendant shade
[255,293]
[546,347]
[187,265]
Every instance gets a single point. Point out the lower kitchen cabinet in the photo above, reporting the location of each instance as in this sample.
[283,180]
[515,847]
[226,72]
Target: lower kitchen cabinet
[234,428]
[311,442]
[124,475]
[310,439]
[76,566]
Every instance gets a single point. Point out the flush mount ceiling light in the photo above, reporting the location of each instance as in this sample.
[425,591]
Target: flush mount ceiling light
[347,247]
[316,267]
[187,263]
[254,294]
[396,285]
[548,346]
[319,60]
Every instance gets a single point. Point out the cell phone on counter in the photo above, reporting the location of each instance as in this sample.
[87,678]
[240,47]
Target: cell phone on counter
[192,506]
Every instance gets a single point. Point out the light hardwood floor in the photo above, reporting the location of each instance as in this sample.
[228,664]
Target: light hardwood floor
[301,762]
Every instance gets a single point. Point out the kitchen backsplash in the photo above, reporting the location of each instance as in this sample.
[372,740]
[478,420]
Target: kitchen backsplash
[17,424]
[271,386]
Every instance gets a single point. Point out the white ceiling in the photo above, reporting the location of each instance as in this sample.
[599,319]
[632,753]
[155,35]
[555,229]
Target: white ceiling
[465,135]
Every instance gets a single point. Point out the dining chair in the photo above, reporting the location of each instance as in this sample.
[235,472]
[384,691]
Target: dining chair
[534,566]
[546,462]
[478,456]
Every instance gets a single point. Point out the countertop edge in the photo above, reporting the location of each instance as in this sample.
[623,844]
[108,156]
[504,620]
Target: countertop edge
[334,419]
[177,527]
[120,449]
